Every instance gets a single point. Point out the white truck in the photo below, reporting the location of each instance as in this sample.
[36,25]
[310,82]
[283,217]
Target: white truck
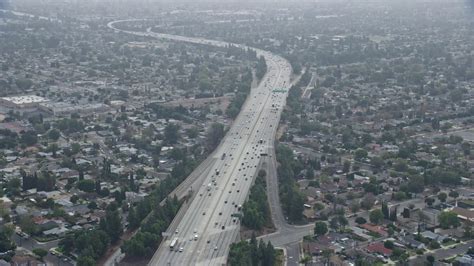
[174,243]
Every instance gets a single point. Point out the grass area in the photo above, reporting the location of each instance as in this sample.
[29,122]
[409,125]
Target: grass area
[280,257]
[373,234]
[45,238]
[449,260]
[449,243]
[358,238]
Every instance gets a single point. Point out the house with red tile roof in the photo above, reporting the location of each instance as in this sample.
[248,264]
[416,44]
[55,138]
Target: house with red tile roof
[374,229]
[379,248]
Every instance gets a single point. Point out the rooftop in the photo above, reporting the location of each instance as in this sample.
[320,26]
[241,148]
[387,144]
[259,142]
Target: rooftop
[25,99]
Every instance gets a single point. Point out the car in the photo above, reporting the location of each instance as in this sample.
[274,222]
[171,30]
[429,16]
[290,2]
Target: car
[215,248]
[181,249]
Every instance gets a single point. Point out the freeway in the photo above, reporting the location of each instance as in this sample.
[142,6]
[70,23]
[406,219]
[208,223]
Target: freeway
[207,228]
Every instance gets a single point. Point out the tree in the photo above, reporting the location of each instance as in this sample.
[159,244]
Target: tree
[92,205]
[468,231]
[360,220]
[434,244]
[388,244]
[85,261]
[355,206]
[214,135]
[453,194]
[346,167]
[368,201]
[385,210]
[171,133]
[87,185]
[326,254]
[13,186]
[442,196]
[430,259]
[393,214]
[429,201]
[254,253]
[27,225]
[46,181]
[112,223]
[320,228]
[6,244]
[268,256]
[192,132]
[256,212]
[23,83]
[29,138]
[40,252]
[54,134]
[377,162]
[261,67]
[448,219]
[360,154]
[399,196]
[310,173]
[67,244]
[74,199]
[343,221]
[133,220]
[376,216]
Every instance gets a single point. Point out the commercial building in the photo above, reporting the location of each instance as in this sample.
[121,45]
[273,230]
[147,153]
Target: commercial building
[22,104]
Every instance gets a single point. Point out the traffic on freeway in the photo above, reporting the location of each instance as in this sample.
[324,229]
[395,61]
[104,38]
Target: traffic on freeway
[203,235]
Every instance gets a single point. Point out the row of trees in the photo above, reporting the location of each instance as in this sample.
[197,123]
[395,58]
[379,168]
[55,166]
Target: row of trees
[44,182]
[292,200]
[145,242]
[90,245]
[256,212]
[110,227]
[252,253]
[6,244]
[151,217]
[214,136]
[261,68]
[10,140]
[242,89]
